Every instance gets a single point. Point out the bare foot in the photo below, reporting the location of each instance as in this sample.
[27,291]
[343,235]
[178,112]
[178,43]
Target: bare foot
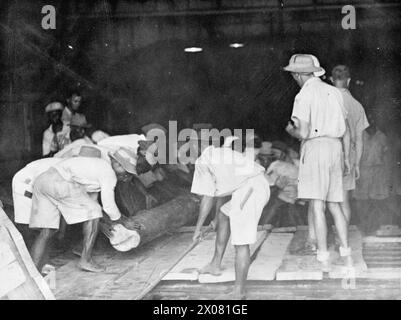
[211,269]
[90,266]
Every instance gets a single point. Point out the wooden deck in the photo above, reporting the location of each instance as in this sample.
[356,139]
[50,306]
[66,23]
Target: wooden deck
[129,273]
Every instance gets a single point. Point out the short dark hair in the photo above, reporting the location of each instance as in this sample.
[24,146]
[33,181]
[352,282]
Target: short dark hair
[341,72]
[74,92]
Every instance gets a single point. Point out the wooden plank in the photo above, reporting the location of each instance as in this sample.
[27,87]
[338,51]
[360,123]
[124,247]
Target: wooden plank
[377,258]
[192,228]
[384,264]
[284,230]
[73,283]
[372,239]
[131,284]
[187,268]
[327,289]
[359,265]
[270,256]
[299,267]
[228,262]
[383,273]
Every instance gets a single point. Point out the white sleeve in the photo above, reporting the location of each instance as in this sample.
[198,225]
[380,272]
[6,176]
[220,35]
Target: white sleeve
[107,185]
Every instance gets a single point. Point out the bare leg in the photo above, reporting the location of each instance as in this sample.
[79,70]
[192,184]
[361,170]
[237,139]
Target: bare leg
[345,207]
[223,234]
[320,225]
[219,203]
[340,222]
[39,247]
[90,231]
[242,262]
[311,224]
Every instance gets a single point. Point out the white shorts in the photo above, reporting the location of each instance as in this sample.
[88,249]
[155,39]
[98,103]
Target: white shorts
[244,222]
[22,208]
[321,170]
[54,196]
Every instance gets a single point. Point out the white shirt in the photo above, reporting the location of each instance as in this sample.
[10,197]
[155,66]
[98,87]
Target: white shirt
[66,116]
[356,118]
[69,150]
[96,175]
[129,141]
[220,171]
[24,178]
[49,143]
[285,176]
[321,106]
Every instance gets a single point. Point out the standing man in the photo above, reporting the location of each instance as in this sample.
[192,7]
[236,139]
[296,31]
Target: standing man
[222,172]
[319,121]
[70,189]
[340,77]
[57,135]
[73,106]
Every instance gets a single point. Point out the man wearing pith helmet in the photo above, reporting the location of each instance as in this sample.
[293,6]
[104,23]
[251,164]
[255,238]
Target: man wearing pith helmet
[318,120]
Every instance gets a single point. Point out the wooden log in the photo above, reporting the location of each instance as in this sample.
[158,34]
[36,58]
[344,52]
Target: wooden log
[165,218]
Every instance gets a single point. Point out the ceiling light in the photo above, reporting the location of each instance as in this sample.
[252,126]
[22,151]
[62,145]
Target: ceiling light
[236,45]
[193,49]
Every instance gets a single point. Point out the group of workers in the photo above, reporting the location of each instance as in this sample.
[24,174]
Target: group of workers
[330,125]
[233,178]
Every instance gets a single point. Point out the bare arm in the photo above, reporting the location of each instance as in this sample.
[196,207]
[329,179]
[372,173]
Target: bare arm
[346,143]
[299,130]
[359,150]
[204,210]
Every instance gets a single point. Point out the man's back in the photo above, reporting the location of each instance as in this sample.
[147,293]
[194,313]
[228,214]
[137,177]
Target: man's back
[228,169]
[321,106]
[93,173]
[355,114]
[130,141]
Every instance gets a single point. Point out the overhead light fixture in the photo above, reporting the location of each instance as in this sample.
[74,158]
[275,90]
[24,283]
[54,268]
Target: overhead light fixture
[193,49]
[236,45]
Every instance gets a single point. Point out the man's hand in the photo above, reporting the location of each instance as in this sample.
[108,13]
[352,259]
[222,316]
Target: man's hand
[213,224]
[151,201]
[197,235]
[357,173]
[125,222]
[289,128]
[347,167]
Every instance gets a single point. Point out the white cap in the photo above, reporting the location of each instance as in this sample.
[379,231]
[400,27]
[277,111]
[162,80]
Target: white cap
[54,106]
[99,135]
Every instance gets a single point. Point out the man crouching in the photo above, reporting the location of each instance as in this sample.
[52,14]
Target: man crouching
[70,188]
[222,172]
